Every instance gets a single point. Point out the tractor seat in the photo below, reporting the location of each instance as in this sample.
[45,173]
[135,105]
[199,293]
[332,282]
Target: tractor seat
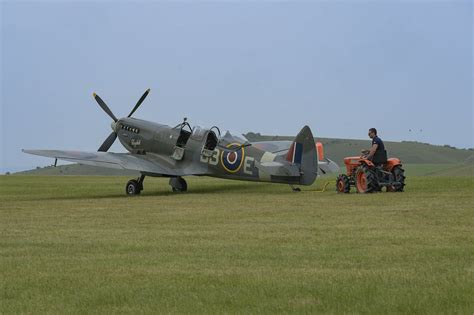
[380,158]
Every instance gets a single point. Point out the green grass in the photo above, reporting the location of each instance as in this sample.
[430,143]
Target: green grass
[79,245]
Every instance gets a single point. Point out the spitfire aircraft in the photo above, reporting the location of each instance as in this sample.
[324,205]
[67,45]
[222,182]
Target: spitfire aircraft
[164,151]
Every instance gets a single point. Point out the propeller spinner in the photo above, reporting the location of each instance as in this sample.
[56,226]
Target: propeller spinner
[111,138]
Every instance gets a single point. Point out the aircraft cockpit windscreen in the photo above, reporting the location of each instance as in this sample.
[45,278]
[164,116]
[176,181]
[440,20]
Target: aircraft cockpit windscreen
[228,137]
[199,132]
[232,137]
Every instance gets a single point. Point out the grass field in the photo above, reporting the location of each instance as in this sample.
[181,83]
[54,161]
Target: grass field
[79,245]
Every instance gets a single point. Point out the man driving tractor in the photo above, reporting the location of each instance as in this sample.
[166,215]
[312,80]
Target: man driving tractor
[372,170]
[377,153]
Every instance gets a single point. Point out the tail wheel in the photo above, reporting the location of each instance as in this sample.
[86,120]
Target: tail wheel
[366,180]
[399,176]
[343,184]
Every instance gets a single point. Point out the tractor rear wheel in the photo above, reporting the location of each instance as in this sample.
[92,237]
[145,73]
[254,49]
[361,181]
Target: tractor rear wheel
[366,180]
[399,176]
[343,184]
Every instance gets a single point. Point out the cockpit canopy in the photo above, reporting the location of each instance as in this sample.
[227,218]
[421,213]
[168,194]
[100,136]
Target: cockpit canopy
[198,133]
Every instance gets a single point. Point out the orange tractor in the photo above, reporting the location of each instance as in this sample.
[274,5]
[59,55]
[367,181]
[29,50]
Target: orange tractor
[367,177]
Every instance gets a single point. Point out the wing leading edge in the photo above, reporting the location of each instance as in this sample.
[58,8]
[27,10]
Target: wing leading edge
[127,161]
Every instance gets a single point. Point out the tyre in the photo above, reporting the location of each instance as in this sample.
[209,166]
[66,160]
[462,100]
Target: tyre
[366,180]
[132,188]
[399,176]
[343,184]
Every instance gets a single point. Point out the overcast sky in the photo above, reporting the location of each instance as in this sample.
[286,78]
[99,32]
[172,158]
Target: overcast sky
[269,67]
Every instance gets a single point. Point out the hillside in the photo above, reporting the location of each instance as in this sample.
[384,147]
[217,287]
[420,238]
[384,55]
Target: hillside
[420,158]
[450,170]
[408,151]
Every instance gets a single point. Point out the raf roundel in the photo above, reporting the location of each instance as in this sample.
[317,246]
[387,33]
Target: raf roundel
[232,160]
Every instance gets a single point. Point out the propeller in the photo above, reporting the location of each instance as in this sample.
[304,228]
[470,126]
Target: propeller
[108,142]
[104,107]
[140,101]
[113,136]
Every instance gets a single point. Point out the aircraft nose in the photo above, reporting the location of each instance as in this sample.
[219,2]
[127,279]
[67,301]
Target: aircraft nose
[113,125]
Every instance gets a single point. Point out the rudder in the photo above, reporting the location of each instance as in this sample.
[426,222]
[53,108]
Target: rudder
[303,153]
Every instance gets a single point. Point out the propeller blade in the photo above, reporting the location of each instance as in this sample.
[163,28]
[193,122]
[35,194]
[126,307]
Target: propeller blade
[104,107]
[108,142]
[140,101]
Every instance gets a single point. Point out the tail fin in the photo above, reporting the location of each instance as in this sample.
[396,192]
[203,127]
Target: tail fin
[303,153]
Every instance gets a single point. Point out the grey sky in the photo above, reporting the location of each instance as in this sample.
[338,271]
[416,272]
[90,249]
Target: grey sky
[270,67]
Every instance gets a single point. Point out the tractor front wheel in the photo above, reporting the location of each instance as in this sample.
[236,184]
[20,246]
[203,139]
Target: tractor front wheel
[343,184]
[366,180]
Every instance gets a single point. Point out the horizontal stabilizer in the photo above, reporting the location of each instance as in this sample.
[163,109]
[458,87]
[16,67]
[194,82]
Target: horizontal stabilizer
[327,167]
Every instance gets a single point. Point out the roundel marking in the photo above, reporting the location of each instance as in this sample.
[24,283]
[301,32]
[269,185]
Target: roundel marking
[232,160]
[231,157]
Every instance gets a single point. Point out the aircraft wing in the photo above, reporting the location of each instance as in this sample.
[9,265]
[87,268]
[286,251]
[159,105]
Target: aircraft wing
[143,163]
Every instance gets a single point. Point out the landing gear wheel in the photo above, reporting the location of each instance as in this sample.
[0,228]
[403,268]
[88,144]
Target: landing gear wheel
[399,176]
[178,184]
[343,184]
[366,180]
[133,188]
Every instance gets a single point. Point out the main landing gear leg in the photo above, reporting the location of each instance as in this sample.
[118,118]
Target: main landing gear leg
[178,184]
[135,186]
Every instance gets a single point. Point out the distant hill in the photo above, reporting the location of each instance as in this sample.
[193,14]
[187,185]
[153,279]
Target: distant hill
[422,158]
[451,170]
[409,152]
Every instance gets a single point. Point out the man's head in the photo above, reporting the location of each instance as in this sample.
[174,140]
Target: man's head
[372,133]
